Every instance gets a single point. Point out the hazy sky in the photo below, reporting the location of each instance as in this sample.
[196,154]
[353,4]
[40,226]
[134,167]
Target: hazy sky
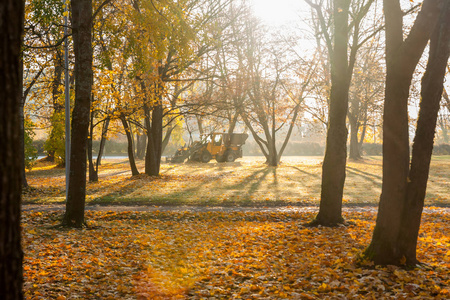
[278,12]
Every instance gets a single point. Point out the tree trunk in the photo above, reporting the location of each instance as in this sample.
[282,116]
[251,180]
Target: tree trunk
[134,170]
[58,108]
[154,148]
[401,60]
[93,176]
[443,126]
[11,27]
[102,143]
[354,143]
[167,136]
[431,92]
[333,168]
[141,143]
[82,37]
[22,131]
[154,135]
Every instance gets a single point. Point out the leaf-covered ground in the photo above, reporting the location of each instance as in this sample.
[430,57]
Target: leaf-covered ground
[217,255]
[246,182]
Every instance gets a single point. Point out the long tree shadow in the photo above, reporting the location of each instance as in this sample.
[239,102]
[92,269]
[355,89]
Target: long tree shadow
[306,173]
[364,174]
[251,183]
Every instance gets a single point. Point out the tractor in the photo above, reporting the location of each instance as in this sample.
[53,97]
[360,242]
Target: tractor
[224,147]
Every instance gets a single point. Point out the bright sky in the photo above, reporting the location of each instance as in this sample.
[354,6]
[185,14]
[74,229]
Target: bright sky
[278,12]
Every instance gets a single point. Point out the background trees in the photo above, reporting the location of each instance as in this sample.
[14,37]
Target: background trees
[157,66]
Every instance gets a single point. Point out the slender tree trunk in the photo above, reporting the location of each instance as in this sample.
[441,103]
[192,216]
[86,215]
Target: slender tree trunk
[82,37]
[149,153]
[289,133]
[11,255]
[443,126]
[271,139]
[333,168]
[364,130]
[432,86]
[401,60]
[129,134]
[22,130]
[102,143]
[167,136]
[93,176]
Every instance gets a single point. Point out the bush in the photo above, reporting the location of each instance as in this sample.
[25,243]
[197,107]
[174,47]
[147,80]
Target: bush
[31,153]
[442,149]
[372,149]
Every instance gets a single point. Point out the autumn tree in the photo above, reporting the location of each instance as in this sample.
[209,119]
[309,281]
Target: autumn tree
[365,95]
[11,27]
[162,56]
[82,39]
[341,69]
[395,235]
[274,97]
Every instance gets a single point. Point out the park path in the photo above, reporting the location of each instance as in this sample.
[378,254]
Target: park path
[186,208]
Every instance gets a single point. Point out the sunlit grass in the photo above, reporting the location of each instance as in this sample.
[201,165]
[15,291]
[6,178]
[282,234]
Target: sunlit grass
[247,182]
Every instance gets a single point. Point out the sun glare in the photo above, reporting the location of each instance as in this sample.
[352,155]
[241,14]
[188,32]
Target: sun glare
[277,13]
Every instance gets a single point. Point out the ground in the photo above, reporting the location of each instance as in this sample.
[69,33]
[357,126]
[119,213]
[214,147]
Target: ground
[224,231]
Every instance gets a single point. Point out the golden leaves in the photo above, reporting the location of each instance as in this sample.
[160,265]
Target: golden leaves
[167,255]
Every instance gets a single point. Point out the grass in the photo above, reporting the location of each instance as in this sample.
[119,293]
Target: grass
[246,182]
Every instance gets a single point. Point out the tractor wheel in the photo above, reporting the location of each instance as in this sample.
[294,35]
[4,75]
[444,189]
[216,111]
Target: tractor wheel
[220,158]
[230,157]
[206,157]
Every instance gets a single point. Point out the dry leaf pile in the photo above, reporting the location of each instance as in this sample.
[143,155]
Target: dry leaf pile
[215,255]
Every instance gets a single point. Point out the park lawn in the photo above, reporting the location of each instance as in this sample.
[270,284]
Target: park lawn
[217,255]
[246,182]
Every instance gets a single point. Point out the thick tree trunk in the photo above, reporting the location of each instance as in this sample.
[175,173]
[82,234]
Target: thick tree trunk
[134,170]
[354,142]
[353,117]
[11,25]
[333,168]
[432,86]
[141,143]
[82,37]
[154,136]
[401,60]
[154,152]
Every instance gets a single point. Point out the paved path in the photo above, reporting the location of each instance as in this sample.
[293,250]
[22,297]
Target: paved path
[182,208]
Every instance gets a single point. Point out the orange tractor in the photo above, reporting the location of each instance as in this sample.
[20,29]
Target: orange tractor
[224,147]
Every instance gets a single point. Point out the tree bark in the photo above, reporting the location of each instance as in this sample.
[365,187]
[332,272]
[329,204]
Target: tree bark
[154,135]
[11,255]
[22,131]
[134,170]
[93,175]
[333,168]
[401,60]
[82,37]
[353,116]
[141,143]
[431,92]
[101,148]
